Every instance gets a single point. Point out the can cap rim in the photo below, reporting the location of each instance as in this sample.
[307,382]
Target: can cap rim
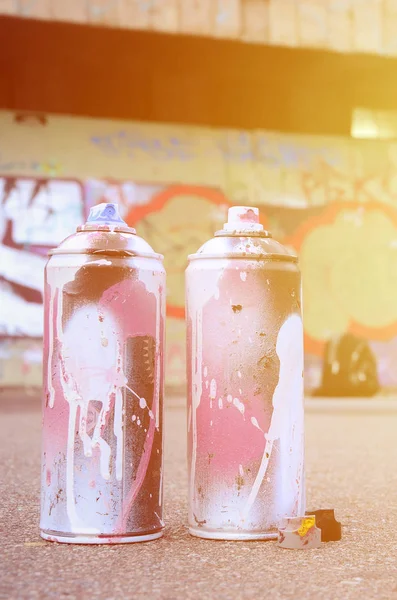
[116,253]
[246,256]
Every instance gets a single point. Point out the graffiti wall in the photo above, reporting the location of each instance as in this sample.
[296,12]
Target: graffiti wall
[333,200]
[35,214]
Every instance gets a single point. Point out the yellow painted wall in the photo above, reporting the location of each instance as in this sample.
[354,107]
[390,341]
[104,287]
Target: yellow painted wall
[259,166]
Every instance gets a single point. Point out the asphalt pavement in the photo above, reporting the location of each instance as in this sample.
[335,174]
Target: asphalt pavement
[351,466]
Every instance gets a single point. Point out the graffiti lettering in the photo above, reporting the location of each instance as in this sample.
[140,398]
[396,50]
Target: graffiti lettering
[131,144]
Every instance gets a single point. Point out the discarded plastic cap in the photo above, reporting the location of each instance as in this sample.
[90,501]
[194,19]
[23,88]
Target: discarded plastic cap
[299,533]
[331,529]
[106,212]
[243,218]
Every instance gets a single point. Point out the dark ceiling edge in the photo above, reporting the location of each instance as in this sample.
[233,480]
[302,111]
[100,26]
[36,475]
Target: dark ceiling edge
[49,66]
[246,50]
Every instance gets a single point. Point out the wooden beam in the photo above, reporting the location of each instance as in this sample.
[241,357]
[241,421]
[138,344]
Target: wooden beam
[127,74]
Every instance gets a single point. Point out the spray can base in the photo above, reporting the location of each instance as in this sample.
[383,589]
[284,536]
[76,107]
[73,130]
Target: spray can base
[81,538]
[238,536]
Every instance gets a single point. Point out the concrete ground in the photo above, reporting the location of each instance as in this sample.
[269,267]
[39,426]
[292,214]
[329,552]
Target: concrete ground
[351,466]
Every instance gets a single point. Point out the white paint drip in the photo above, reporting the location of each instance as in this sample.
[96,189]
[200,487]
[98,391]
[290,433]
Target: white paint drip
[241,470]
[51,335]
[59,328]
[103,383]
[220,403]
[118,432]
[239,405]
[243,275]
[87,445]
[156,393]
[213,389]
[207,384]
[255,423]
[142,402]
[161,487]
[70,501]
[259,478]
[197,370]
[160,520]
[97,440]
[115,381]
[229,398]
[74,400]
[287,419]
[239,374]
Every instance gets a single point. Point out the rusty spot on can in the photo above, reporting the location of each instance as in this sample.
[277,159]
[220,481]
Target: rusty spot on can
[237,308]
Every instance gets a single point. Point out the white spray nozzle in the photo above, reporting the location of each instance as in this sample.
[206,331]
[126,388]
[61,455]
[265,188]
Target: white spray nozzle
[243,218]
[106,213]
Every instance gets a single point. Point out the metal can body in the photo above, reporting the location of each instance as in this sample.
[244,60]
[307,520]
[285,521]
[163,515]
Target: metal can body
[245,391]
[103,382]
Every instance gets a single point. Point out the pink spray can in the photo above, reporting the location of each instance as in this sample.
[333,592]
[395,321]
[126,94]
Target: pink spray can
[103,386]
[245,383]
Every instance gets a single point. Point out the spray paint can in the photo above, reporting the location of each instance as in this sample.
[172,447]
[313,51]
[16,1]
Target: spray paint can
[245,383]
[103,386]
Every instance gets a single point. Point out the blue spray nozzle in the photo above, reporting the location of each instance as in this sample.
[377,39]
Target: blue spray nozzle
[106,212]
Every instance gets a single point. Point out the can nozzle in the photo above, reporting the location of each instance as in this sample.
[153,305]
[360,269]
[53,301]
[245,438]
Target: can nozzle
[105,213]
[105,217]
[243,218]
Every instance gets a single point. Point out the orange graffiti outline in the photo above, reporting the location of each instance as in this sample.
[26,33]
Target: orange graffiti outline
[159,200]
[327,217]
